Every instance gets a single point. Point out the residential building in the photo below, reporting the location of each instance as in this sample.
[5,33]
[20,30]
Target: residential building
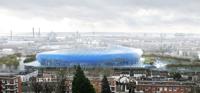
[10,84]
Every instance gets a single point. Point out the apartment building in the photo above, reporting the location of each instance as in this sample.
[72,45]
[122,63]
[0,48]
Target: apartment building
[164,87]
[10,84]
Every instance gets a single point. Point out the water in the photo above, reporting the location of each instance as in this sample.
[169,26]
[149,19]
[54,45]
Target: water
[162,63]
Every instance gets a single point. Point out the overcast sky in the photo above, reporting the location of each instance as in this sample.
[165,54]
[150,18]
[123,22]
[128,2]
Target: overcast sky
[100,15]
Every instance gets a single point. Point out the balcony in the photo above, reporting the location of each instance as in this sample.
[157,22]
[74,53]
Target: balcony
[14,89]
[11,84]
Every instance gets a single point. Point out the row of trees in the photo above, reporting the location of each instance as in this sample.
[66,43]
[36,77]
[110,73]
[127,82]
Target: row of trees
[39,87]
[30,58]
[80,84]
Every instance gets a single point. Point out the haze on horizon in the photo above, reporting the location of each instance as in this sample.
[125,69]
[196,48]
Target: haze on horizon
[100,15]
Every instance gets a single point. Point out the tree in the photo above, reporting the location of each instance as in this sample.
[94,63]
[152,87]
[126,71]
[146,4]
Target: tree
[131,87]
[48,87]
[61,87]
[105,88]
[176,76]
[1,88]
[80,83]
[61,74]
[30,58]
[36,86]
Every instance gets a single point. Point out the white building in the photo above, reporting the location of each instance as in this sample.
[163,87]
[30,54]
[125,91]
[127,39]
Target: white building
[26,76]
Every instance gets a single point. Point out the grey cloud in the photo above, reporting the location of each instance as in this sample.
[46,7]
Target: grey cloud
[106,10]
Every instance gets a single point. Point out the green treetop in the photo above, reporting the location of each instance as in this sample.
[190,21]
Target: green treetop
[105,88]
[80,83]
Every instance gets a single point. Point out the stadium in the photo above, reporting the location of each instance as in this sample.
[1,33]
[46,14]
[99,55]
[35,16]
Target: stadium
[91,57]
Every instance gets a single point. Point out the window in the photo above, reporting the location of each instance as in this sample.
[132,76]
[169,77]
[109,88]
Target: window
[112,88]
[161,89]
[165,89]
[174,89]
[11,81]
[170,88]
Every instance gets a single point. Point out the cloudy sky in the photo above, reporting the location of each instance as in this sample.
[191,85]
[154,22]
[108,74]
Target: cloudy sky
[100,15]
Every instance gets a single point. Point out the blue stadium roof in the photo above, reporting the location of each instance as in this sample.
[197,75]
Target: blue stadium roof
[107,57]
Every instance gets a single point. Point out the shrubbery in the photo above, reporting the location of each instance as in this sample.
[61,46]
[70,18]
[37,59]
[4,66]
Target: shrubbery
[9,60]
[30,58]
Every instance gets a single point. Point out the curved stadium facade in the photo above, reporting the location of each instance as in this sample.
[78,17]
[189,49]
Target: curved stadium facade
[98,57]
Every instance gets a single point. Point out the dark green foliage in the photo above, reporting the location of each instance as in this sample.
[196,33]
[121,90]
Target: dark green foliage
[195,89]
[197,64]
[176,76]
[37,87]
[80,83]
[30,58]
[105,88]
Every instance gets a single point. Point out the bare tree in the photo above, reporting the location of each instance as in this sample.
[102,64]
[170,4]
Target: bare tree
[36,86]
[48,87]
[131,87]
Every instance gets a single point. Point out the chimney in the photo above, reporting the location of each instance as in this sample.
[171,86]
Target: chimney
[38,32]
[10,34]
[33,33]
